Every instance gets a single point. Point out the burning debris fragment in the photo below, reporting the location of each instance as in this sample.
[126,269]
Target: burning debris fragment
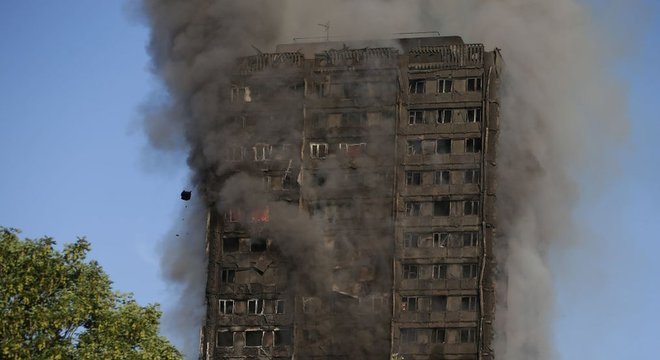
[186,195]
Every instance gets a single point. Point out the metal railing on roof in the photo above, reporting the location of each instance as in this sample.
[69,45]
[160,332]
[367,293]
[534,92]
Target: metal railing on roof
[250,64]
[448,56]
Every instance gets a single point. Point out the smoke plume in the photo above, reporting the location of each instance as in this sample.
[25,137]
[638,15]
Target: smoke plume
[558,107]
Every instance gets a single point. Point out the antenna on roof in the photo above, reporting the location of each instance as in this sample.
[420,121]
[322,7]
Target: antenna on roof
[326,26]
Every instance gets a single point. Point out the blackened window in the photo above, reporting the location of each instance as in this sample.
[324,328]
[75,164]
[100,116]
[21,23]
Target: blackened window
[438,303]
[255,306]
[413,208]
[254,337]
[469,271]
[279,307]
[258,244]
[413,178]
[408,336]
[410,240]
[469,303]
[438,335]
[443,146]
[445,85]
[283,337]
[474,115]
[472,176]
[473,145]
[226,306]
[470,238]
[440,239]
[439,271]
[474,84]
[228,276]
[444,116]
[442,177]
[230,244]
[410,271]
[225,338]
[471,207]
[441,208]
[415,117]
[414,147]
[417,86]
[468,335]
[409,303]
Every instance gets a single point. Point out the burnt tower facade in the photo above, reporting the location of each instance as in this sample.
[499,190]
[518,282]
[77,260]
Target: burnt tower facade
[369,233]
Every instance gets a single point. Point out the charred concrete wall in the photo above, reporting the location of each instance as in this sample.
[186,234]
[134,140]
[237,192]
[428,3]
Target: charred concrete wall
[370,227]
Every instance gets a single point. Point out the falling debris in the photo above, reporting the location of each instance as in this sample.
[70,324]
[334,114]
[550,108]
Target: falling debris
[186,195]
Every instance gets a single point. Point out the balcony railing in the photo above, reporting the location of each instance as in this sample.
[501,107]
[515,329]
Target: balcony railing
[255,63]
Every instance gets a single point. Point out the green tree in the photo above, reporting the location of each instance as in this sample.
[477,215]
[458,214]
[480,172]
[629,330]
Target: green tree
[57,305]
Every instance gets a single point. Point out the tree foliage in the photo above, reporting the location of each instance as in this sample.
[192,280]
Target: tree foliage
[57,305]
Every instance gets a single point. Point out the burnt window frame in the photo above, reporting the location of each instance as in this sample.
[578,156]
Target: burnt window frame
[411,240]
[443,146]
[410,304]
[280,310]
[444,116]
[442,177]
[473,84]
[442,207]
[280,334]
[417,86]
[473,115]
[408,335]
[439,271]
[411,176]
[318,150]
[226,306]
[257,308]
[471,207]
[258,244]
[416,117]
[472,176]
[414,147]
[469,303]
[228,276]
[468,335]
[445,86]
[260,333]
[440,239]
[227,241]
[439,303]
[229,335]
[469,271]
[473,145]
[410,271]
[438,335]
[470,239]
[413,208]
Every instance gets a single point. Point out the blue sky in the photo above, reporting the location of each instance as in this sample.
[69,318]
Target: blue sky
[73,75]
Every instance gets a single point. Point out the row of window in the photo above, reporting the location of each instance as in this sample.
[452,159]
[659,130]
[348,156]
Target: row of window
[251,306]
[253,338]
[440,239]
[233,244]
[443,116]
[320,150]
[259,152]
[438,335]
[438,303]
[440,271]
[440,177]
[441,146]
[442,208]
[441,86]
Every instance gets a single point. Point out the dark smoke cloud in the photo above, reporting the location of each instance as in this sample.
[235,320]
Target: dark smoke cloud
[559,108]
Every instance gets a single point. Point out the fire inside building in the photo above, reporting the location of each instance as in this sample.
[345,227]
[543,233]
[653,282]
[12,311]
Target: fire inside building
[372,233]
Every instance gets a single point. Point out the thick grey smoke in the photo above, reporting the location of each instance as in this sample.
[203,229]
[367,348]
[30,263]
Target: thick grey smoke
[558,109]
